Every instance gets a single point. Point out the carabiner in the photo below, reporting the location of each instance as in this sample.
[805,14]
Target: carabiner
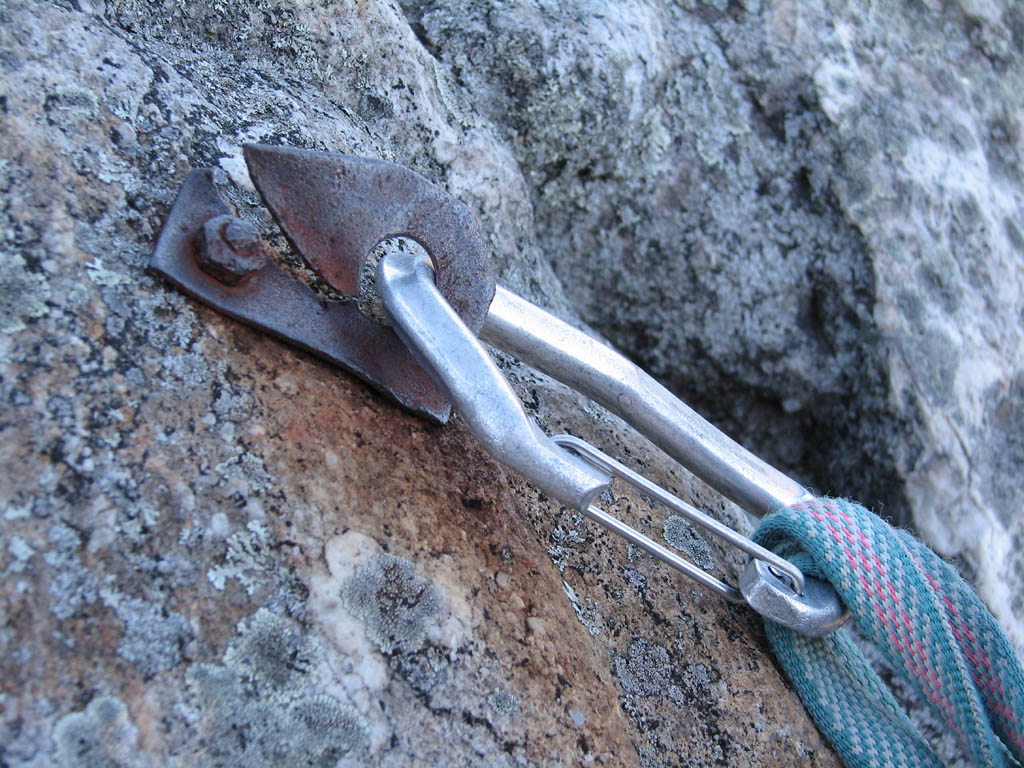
[571,470]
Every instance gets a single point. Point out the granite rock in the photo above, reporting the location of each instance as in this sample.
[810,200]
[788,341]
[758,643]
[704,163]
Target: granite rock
[219,551]
[805,217]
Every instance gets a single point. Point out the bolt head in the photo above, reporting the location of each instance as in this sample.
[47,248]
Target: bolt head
[229,249]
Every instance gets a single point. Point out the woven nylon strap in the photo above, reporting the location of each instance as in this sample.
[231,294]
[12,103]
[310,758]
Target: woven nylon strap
[928,623]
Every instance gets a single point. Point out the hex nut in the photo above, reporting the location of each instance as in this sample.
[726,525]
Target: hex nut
[229,249]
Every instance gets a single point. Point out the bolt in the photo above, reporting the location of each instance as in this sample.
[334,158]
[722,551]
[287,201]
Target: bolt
[229,249]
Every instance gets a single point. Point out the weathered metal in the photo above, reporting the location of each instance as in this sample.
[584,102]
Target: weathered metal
[335,208]
[275,302]
[229,249]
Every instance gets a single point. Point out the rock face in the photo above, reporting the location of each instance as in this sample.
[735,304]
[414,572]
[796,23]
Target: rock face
[805,217]
[219,551]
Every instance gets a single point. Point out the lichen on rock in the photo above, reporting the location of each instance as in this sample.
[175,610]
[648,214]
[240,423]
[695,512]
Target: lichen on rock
[23,293]
[73,586]
[256,708]
[681,534]
[153,637]
[397,605]
[804,217]
[100,736]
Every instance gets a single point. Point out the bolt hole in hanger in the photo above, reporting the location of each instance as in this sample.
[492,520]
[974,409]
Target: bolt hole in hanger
[335,209]
[368,299]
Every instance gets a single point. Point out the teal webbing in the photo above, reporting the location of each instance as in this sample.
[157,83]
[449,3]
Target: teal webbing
[927,622]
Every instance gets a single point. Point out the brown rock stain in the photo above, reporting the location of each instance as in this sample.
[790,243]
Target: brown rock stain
[444,497]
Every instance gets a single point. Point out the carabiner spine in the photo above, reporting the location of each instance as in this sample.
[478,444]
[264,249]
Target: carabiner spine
[541,340]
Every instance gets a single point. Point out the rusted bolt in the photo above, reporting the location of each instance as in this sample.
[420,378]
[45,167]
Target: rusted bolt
[229,249]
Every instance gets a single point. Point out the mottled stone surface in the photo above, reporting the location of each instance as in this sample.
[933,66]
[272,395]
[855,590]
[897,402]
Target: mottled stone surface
[804,216]
[217,550]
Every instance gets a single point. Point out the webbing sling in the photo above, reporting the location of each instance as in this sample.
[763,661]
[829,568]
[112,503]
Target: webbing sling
[928,623]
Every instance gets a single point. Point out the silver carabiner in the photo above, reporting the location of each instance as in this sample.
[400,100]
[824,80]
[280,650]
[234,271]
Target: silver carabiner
[574,472]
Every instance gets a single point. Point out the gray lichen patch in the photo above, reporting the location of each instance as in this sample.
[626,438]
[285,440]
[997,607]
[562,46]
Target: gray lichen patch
[72,585]
[339,726]
[100,736]
[425,669]
[23,293]
[271,652]
[71,107]
[679,533]
[260,706]
[654,683]
[503,703]
[245,474]
[396,604]
[248,559]
[20,551]
[153,637]
[645,671]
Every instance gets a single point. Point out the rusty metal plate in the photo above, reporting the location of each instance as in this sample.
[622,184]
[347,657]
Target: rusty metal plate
[272,301]
[335,208]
